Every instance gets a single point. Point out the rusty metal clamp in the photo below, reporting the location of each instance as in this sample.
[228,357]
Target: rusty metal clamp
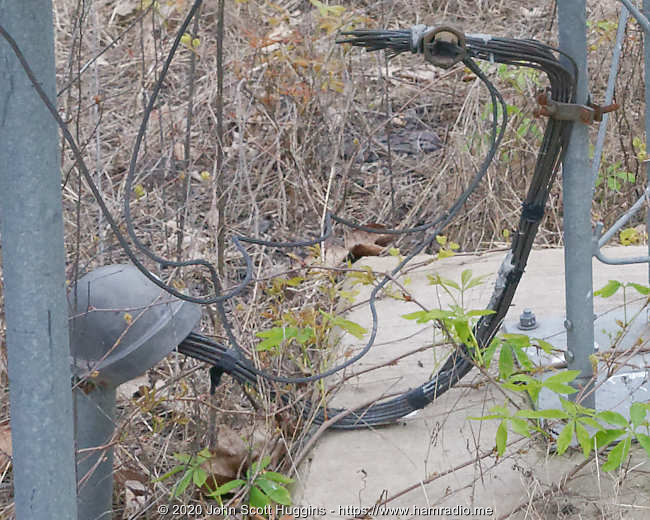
[586,114]
[444,46]
[599,110]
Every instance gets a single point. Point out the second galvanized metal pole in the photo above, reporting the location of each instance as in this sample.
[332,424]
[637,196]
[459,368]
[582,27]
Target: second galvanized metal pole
[646,49]
[577,190]
[94,426]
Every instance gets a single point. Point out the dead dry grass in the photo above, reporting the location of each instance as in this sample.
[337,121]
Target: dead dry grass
[305,129]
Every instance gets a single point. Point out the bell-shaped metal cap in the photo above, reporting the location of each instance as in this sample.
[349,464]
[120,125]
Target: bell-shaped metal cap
[122,324]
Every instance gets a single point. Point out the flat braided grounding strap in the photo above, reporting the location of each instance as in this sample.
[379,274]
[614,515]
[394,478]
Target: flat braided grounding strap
[561,74]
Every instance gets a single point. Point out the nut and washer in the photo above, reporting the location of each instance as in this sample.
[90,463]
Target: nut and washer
[527,320]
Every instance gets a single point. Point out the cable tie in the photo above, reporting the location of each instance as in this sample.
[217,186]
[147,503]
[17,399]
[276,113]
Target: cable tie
[532,212]
[215,378]
[228,360]
[480,36]
[417,398]
[417,37]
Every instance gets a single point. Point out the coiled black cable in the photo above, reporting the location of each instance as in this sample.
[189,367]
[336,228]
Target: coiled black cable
[526,53]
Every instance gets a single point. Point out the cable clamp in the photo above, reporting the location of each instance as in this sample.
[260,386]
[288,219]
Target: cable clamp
[586,114]
[442,46]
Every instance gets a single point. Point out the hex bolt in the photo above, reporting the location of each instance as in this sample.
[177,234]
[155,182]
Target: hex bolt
[569,356]
[568,325]
[527,320]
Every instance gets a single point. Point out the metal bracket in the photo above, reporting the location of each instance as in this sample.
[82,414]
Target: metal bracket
[599,110]
[444,46]
[586,114]
[598,242]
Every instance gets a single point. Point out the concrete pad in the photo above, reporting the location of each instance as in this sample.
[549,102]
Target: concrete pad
[431,458]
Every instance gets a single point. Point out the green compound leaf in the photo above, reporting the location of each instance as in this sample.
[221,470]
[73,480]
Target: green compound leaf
[277,477]
[571,408]
[171,472]
[426,316]
[544,345]
[520,426]
[637,413]
[274,337]
[502,438]
[584,439]
[257,498]
[199,476]
[348,326]
[183,483]
[488,354]
[612,417]
[564,439]
[606,436]
[464,332]
[641,289]
[519,340]
[506,362]
[590,421]
[566,376]
[560,388]
[617,455]
[227,487]
[644,441]
[609,289]
[274,491]
[479,312]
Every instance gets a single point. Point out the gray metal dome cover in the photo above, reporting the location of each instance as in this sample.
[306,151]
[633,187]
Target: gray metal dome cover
[122,324]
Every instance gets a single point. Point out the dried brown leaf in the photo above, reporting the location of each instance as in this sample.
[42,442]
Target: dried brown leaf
[135,498]
[360,250]
[364,243]
[231,455]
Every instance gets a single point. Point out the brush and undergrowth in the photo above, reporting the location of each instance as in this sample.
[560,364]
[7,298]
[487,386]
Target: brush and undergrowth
[302,125]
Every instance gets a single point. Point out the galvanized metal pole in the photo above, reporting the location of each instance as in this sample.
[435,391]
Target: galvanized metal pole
[34,276]
[572,18]
[94,427]
[609,93]
[646,49]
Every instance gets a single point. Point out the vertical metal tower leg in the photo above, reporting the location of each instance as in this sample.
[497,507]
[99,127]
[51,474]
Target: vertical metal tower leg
[577,207]
[34,271]
[646,68]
